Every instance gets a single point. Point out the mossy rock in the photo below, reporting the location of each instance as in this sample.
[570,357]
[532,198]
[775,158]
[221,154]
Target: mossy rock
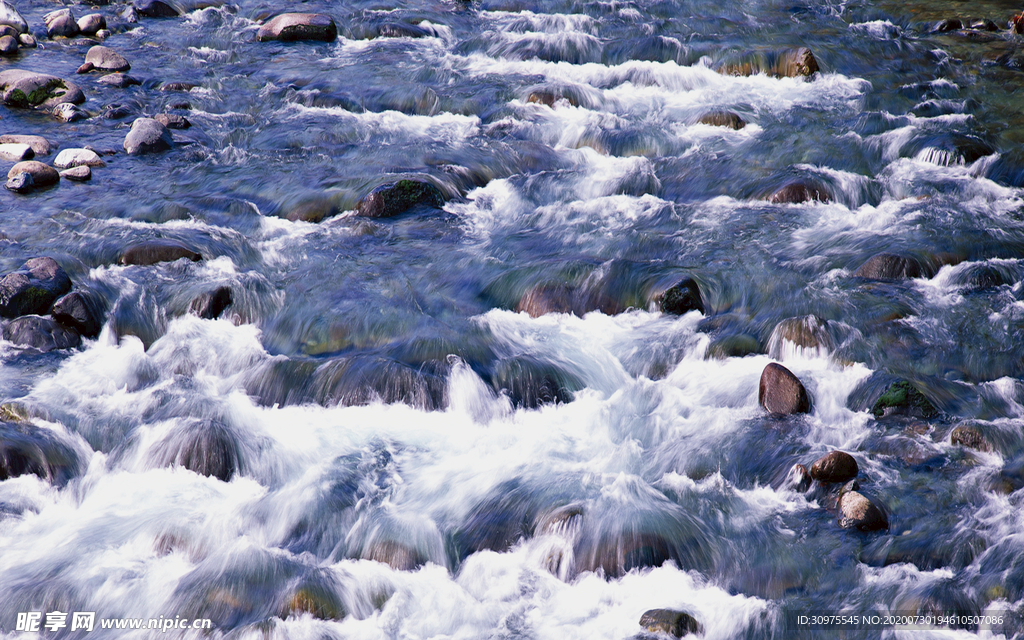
[902,398]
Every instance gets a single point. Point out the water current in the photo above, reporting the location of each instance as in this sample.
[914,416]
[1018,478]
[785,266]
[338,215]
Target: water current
[384,435]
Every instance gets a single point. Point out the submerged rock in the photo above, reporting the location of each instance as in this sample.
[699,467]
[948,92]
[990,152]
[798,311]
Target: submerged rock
[68,112]
[290,27]
[119,80]
[81,310]
[172,121]
[681,298]
[798,478]
[25,449]
[947,24]
[804,332]
[733,346]
[798,192]
[546,298]
[722,119]
[147,136]
[531,383]
[159,250]
[903,398]
[835,466]
[858,512]
[204,447]
[674,623]
[212,303]
[402,30]
[781,392]
[26,89]
[312,210]
[789,63]
[971,436]
[8,45]
[33,288]
[889,266]
[42,333]
[394,198]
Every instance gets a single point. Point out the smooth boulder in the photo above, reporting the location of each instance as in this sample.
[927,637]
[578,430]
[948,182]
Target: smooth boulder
[781,393]
[154,251]
[42,333]
[80,310]
[33,288]
[119,80]
[394,198]
[61,24]
[147,136]
[92,23]
[835,466]
[14,152]
[80,173]
[40,145]
[43,175]
[172,121]
[156,9]
[103,58]
[856,511]
[889,266]
[290,27]
[68,158]
[10,16]
[26,89]
[675,623]
[8,45]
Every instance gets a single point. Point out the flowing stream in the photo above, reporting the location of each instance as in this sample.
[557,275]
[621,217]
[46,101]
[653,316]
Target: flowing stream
[374,440]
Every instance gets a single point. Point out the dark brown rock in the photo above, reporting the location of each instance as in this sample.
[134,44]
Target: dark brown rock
[798,192]
[172,121]
[858,512]
[947,24]
[674,623]
[889,266]
[781,392]
[394,198]
[546,298]
[971,436]
[153,251]
[33,288]
[805,332]
[835,466]
[204,447]
[177,86]
[1017,23]
[289,27]
[212,303]
[796,62]
[681,298]
[80,310]
[723,119]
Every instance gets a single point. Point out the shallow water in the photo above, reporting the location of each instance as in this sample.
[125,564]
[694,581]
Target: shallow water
[393,451]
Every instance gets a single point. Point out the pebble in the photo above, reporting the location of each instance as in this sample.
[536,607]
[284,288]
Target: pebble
[43,175]
[67,112]
[27,40]
[16,152]
[77,174]
[147,136]
[76,157]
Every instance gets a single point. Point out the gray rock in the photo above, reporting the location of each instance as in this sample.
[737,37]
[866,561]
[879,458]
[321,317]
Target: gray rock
[8,46]
[80,310]
[21,183]
[77,174]
[781,393]
[172,121]
[44,334]
[15,152]
[67,112]
[106,59]
[92,23]
[177,86]
[61,24]
[153,251]
[27,40]
[25,89]
[76,157]
[857,512]
[147,136]
[8,30]
[10,16]
[674,623]
[40,145]
[835,466]
[116,112]
[119,80]
[33,288]
[103,34]
[289,27]
[43,175]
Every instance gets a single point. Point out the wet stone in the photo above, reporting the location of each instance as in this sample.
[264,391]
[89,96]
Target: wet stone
[106,59]
[40,146]
[311,210]
[61,24]
[15,152]
[92,23]
[858,512]
[172,121]
[27,40]
[67,112]
[8,46]
[903,398]
[546,298]
[80,310]
[116,112]
[723,119]
[798,478]
[20,183]
[889,266]
[394,198]
[25,89]
[681,298]
[155,251]
[42,175]
[119,80]
[289,27]
[42,333]
[68,158]
[147,136]
[947,24]
[177,86]
[155,9]
[971,436]
[674,623]
[33,288]
[781,393]
[734,346]
[77,174]
[835,466]
[402,30]
[211,304]
[798,192]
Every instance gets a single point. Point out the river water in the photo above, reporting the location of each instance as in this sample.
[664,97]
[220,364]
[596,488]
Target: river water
[408,455]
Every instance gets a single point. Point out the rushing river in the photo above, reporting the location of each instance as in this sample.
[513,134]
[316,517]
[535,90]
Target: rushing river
[376,440]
